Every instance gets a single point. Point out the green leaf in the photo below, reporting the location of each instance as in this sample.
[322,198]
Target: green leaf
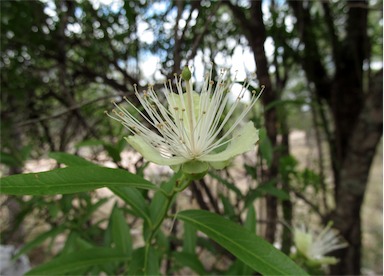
[25,152]
[251,196]
[269,188]
[250,220]
[70,159]
[135,199]
[71,180]
[136,266]
[261,190]
[120,146]
[239,268]
[9,160]
[190,238]
[131,196]
[185,259]
[158,206]
[299,102]
[113,152]
[15,158]
[78,260]
[162,243]
[90,209]
[90,143]
[74,243]
[226,183]
[265,146]
[251,171]
[153,267]
[39,240]
[246,246]
[229,210]
[120,232]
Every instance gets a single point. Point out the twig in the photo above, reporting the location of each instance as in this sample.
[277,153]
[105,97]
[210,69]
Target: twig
[57,115]
[307,201]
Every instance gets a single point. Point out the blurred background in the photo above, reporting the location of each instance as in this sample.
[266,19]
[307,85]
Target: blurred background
[320,156]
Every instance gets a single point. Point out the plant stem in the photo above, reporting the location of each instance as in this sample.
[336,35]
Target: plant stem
[181,185]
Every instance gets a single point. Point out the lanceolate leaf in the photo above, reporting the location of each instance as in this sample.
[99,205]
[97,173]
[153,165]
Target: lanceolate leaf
[136,266]
[39,240]
[265,146]
[71,180]
[190,260]
[70,159]
[226,183]
[120,231]
[131,196]
[246,246]
[190,238]
[135,199]
[79,260]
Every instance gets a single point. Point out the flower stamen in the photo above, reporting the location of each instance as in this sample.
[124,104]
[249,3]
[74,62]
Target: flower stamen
[190,127]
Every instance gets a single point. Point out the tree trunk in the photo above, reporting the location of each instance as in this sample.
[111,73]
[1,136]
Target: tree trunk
[254,30]
[354,176]
[256,40]
[356,116]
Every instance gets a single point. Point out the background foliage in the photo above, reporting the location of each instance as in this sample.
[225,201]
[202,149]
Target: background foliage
[62,62]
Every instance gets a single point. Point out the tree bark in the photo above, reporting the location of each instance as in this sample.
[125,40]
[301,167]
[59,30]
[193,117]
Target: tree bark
[254,30]
[354,176]
[356,116]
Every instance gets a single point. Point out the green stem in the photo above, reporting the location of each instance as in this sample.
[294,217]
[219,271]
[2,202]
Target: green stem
[181,184]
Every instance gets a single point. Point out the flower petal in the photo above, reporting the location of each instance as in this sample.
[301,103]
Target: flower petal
[324,261]
[219,165]
[303,241]
[195,169]
[152,154]
[244,141]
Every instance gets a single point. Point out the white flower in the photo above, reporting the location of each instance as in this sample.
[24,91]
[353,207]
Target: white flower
[189,129]
[316,247]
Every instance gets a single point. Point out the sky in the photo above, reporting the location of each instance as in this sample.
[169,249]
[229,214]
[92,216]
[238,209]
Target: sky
[241,62]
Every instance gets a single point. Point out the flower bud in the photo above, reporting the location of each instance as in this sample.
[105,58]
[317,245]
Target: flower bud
[195,170]
[186,74]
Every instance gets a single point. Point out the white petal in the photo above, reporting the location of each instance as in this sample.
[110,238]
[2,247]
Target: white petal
[152,154]
[244,141]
